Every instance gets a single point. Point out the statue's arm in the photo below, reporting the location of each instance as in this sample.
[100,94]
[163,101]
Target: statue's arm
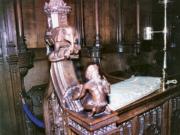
[78,94]
[83,91]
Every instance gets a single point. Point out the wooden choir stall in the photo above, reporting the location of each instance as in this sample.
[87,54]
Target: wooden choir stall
[55,80]
[101,105]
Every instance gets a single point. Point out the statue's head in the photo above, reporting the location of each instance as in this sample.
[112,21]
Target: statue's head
[92,72]
[64,34]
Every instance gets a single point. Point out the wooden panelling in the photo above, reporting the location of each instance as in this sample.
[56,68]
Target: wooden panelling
[104,16]
[113,22]
[129,13]
[72,15]
[175,115]
[89,18]
[34,22]
[1,43]
[162,119]
[11,115]
[10,106]
[4,105]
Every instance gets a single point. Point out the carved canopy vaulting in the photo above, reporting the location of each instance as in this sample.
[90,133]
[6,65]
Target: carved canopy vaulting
[57,6]
[57,11]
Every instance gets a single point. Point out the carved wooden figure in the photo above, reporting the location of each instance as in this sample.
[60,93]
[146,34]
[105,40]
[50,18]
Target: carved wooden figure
[67,103]
[62,94]
[64,38]
[60,37]
[94,93]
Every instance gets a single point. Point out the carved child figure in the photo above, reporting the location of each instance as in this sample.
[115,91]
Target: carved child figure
[94,93]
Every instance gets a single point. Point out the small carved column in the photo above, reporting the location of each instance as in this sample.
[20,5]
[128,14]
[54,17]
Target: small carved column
[19,26]
[25,56]
[83,39]
[120,26]
[96,49]
[14,90]
[137,45]
[80,22]
[97,43]
[11,84]
[175,115]
[1,49]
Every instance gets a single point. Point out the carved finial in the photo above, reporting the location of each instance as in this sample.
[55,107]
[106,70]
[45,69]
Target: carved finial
[57,11]
[57,6]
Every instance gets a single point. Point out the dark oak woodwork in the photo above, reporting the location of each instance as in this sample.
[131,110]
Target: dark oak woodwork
[175,115]
[83,18]
[15,61]
[102,124]
[151,115]
[158,113]
[67,102]
[34,22]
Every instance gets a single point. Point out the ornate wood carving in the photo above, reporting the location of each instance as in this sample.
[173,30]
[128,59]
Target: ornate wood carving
[154,123]
[1,49]
[93,94]
[175,128]
[126,128]
[149,123]
[66,98]
[98,125]
[11,66]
